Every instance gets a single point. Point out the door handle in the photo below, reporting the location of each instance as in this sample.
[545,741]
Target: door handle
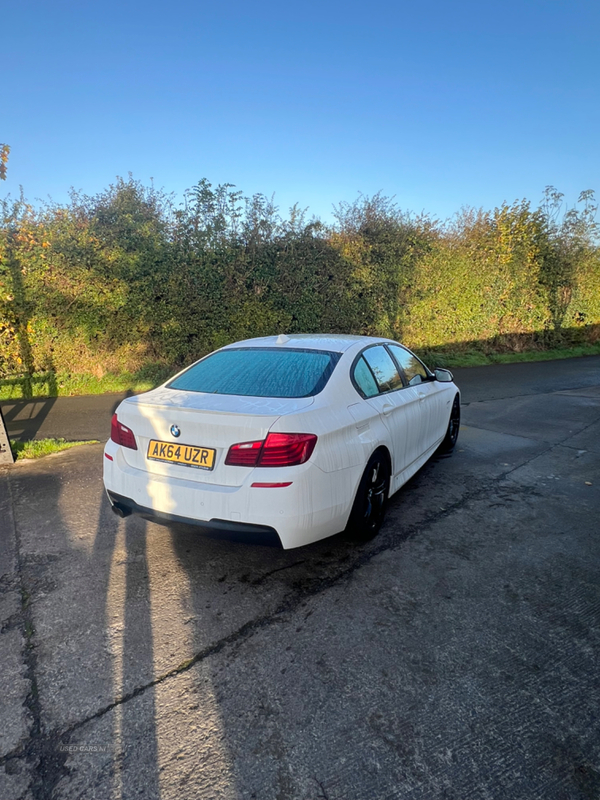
[421,396]
[387,409]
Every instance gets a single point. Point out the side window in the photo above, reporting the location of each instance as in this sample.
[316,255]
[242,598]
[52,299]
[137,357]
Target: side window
[383,367]
[413,369]
[364,379]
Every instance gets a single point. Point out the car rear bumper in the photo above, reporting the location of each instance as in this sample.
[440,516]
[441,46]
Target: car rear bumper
[316,504]
[218,528]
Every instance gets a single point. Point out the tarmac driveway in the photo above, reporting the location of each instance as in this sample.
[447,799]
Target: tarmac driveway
[455,656]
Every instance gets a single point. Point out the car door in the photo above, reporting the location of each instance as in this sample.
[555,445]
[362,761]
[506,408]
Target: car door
[427,391]
[386,393]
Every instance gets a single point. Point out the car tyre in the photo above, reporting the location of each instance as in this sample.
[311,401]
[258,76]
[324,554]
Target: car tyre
[451,436]
[368,510]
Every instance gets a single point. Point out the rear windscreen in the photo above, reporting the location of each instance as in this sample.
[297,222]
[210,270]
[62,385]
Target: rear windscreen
[260,372]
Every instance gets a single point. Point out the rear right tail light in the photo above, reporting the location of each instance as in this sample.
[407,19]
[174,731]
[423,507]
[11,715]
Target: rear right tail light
[287,449]
[121,434]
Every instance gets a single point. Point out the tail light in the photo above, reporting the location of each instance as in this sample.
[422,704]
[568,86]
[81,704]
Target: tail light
[244,454]
[286,449]
[277,450]
[121,434]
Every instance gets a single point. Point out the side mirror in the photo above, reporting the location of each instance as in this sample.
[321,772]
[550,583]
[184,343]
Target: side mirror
[443,376]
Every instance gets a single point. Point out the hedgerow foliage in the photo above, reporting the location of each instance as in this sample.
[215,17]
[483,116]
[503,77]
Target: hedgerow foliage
[126,278]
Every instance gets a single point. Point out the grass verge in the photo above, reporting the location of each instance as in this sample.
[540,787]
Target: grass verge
[37,448]
[479,358]
[68,385]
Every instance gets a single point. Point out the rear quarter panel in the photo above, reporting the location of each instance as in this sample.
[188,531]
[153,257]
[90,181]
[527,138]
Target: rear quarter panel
[341,445]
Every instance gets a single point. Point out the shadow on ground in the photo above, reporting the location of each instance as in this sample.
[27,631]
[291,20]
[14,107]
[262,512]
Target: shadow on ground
[453,656]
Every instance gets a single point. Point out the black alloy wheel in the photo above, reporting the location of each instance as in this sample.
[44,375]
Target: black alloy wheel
[453,427]
[369,507]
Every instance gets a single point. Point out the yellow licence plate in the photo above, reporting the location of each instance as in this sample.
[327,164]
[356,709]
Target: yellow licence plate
[186,454]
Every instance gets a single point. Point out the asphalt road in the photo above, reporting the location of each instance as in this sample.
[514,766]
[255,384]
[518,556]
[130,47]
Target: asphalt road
[83,418]
[455,656]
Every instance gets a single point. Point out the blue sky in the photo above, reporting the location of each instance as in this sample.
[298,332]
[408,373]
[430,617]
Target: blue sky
[440,104]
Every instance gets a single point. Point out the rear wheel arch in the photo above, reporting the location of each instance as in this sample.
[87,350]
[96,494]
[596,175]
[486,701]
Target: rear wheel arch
[372,493]
[383,449]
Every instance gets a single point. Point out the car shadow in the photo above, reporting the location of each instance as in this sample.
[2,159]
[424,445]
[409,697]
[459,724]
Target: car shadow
[91,641]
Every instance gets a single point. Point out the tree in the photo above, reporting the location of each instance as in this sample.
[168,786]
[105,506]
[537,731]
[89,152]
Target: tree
[4,151]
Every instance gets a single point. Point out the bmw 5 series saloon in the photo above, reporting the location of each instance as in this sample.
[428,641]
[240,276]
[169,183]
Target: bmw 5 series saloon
[292,438]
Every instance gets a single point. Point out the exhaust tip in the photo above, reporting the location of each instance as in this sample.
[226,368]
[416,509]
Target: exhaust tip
[121,511]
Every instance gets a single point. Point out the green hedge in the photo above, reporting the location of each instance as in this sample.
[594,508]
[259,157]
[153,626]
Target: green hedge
[124,279]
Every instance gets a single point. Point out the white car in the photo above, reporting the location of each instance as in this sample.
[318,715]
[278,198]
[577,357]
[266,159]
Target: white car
[291,438]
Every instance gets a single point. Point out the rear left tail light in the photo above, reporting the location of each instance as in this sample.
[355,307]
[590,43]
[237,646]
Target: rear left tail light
[277,450]
[121,434]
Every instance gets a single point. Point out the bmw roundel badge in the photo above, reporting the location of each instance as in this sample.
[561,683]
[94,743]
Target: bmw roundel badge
[175,430]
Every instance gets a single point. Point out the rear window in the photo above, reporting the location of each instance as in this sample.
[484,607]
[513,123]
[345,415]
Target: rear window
[260,372]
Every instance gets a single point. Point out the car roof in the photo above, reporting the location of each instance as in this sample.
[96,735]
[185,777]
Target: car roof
[334,342]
